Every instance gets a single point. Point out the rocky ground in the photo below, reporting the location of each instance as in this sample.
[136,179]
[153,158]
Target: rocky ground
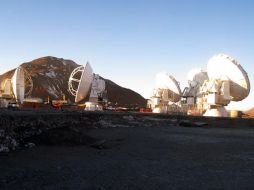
[90,150]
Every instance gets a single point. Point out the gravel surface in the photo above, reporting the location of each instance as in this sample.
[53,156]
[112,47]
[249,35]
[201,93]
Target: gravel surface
[161,157]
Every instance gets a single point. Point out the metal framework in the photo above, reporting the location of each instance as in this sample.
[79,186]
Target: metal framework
[74,79]
[28,83]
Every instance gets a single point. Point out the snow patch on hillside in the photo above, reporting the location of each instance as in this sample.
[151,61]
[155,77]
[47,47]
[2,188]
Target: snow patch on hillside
[52,91]
[51,74]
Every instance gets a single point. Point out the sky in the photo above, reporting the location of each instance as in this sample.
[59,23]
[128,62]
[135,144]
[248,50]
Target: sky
[130,41]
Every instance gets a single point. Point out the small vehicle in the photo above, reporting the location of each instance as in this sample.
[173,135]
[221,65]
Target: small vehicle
[13,106]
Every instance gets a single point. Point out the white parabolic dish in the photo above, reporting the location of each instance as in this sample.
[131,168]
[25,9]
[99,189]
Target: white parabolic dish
[196,77]
[192,73]
[85,83]
[168,82]
[222,66]
[18,84]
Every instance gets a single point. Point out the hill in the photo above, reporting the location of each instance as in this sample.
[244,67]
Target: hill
[50,77]
[250,112]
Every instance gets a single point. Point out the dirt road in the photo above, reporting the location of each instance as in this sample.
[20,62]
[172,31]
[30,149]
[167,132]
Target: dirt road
[161,157]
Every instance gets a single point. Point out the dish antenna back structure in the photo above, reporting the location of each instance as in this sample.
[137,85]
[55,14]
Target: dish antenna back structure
[6,89]
[196,78]
[228,81]
[192,99]
[80,82]
[28,84]
[166,93]
[98,87]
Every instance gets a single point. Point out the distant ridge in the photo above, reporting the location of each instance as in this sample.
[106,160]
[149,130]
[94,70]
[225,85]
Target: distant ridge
[250,112]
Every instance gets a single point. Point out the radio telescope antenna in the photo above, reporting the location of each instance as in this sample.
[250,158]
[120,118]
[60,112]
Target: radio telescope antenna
[80,82]
[166,92]
[168,83]
[196,78]
[18,84]
[228,81]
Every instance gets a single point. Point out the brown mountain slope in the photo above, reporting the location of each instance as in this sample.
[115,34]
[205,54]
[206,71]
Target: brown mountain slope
[8,74]
[250,112]
[50,77]
[123,96]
